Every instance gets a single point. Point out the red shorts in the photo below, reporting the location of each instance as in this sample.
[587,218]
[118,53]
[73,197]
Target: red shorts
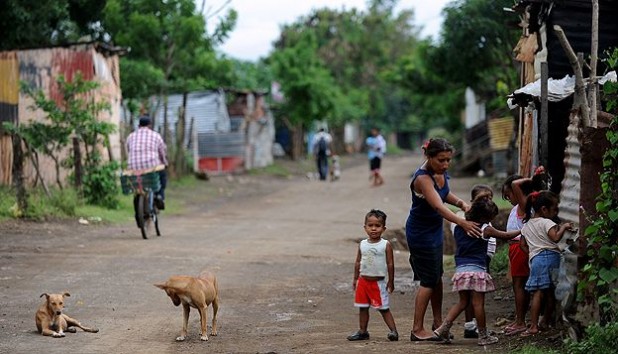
[518,261]
[371,293]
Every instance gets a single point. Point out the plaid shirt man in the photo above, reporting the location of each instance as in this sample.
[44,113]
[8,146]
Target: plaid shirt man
[146,149]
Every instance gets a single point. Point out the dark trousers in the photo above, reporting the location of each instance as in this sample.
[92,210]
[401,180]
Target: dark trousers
[322,162]
[163,180]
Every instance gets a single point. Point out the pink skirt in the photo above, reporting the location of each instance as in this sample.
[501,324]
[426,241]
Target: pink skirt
[480,282]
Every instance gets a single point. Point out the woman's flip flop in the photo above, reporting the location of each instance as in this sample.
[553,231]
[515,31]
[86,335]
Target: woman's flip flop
[527,333]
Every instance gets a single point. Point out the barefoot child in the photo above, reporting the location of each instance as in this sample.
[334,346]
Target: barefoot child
[374,273]
[471,279]
[539,238]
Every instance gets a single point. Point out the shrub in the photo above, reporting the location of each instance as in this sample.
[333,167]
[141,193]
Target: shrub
[598,339]
[500,263]
[100,185]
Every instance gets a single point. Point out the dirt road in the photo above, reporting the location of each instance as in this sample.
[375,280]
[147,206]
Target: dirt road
[283,251]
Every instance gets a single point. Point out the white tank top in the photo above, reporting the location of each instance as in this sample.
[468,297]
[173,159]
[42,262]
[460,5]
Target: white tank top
[373,258]
[514,222]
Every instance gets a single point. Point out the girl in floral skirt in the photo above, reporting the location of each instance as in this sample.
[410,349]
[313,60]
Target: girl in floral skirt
[471,278]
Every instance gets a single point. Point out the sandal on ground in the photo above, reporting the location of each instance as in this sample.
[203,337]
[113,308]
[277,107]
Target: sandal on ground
[450,335]
[527,333]
[359,336]
[433,338]
[515,330]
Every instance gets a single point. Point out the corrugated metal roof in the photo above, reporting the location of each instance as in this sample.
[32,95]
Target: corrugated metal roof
[500,132]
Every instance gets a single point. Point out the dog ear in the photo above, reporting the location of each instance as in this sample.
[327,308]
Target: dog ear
[66,294]
[160,286]
[45,294]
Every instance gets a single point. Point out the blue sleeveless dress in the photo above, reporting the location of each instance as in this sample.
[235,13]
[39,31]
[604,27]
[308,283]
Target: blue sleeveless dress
[424,234]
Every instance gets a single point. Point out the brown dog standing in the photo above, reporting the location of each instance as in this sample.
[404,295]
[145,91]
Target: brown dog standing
[50,321]
[197,292]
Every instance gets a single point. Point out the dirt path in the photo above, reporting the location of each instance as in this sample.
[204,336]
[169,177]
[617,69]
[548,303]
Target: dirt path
[283,251]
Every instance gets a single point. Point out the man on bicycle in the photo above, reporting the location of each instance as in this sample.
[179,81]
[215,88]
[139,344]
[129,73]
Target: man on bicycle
[146,149]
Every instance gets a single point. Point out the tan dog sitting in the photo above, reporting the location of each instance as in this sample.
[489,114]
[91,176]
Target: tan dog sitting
[50,321]
[197,292]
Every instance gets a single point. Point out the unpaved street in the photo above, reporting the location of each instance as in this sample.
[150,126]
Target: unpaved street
[283,251]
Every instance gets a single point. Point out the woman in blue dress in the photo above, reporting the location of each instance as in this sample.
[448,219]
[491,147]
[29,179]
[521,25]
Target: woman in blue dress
[424,231]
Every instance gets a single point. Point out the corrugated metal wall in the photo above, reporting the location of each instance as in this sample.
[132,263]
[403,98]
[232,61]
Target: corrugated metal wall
[40,68]
[219,148]
[208,108]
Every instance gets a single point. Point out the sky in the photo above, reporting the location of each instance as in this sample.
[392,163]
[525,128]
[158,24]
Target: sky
[259,21]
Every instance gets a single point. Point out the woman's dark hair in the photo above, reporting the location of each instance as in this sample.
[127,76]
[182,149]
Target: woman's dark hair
[437,145]
[379,214]
[538,182]
[537,200]
[483,209]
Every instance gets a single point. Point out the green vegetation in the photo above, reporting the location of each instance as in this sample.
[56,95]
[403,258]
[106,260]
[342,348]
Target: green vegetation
[500,262]
[529,349]
[598,339]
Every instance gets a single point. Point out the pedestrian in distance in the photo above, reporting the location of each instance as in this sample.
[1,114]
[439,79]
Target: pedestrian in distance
[424,232]
[472,279]
[376,148]
[539,239]
[322,143]
[374,276]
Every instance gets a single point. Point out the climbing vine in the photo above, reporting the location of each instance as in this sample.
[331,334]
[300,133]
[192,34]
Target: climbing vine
[600,274]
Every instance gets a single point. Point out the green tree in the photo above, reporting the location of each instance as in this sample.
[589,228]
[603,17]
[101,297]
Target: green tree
[476,48]
[310,91]
[26,23]
[168,43]
[76,116]
[360,51]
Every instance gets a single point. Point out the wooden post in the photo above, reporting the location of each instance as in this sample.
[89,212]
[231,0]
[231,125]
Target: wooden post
[544,123]
[594,50]
[580,101]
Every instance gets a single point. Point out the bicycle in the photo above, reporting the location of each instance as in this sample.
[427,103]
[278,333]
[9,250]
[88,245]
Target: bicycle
[143,184]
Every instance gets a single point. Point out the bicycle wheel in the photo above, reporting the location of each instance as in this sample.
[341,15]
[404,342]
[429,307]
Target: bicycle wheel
[143,215]
[155,218]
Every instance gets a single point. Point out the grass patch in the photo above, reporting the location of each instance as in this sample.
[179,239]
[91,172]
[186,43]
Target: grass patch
[500,262]
[276,169]
[529,349]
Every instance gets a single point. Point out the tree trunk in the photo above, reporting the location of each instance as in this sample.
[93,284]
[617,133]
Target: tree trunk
[18,176]
[296,131]
[77,160]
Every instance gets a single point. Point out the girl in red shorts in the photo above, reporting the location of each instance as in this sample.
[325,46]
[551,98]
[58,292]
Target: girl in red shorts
[516,189]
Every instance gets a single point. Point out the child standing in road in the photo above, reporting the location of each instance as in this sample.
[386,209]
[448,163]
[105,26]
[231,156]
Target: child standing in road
[539,238]
[471,278]
[374,273]
[470,330]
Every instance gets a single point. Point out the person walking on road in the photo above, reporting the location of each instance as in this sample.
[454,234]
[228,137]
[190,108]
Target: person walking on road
[424,231]
[322,142]
[374,274]
[376,146]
